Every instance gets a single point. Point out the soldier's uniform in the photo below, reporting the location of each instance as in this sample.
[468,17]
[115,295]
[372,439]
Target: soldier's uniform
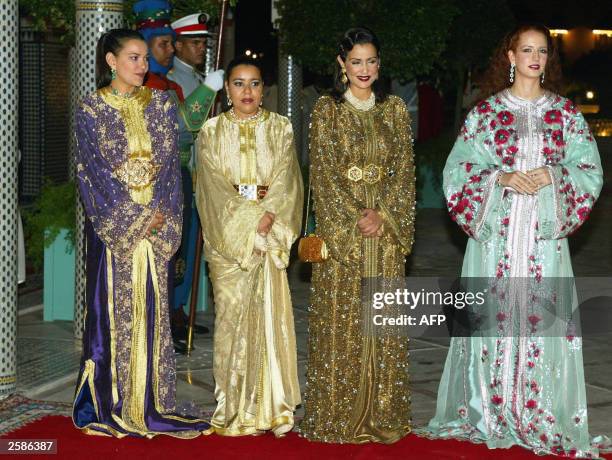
[200,92]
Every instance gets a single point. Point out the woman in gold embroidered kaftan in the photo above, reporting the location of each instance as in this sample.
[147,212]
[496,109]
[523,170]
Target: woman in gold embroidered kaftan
[129,180]
[250,199]
[363,185]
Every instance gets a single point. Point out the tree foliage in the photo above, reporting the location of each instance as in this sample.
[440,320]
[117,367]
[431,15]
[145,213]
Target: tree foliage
[474,35]
[412,32]
[46,15]
[60,15]
[477,31]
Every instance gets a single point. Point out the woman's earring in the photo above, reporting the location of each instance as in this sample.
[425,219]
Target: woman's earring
[260,103]
[542,78]
[113,74]
[511,73]
[229,101]
[344,78]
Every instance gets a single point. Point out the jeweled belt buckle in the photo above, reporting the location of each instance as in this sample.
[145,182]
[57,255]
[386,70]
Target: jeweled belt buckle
[249,191]
[370,174]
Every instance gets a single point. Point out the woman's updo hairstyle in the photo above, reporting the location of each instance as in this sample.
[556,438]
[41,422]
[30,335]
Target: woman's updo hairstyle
[352,37]
[112,41]
[242,60]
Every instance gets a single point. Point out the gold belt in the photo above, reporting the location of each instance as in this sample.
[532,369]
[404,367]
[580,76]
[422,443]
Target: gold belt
[252,191]
[370,174]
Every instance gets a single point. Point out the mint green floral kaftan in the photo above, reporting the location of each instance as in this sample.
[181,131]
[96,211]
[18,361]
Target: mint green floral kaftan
[520,388]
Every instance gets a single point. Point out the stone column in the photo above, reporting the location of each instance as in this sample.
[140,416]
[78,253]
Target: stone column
[9,73]
[290,95]
[93,18]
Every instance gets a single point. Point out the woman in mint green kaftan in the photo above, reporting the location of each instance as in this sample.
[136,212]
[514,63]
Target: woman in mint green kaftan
[518,384]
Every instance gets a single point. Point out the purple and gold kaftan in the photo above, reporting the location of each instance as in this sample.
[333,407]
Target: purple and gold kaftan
[127,170]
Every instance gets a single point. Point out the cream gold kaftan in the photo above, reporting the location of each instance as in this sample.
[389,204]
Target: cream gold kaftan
[255,356]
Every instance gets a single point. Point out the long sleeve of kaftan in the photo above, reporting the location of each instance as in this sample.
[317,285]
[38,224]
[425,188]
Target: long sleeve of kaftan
[470,180]
[336,211]
[229,221]
[119,222]
[397,200]
[576,180]
[285,195]
[169,190]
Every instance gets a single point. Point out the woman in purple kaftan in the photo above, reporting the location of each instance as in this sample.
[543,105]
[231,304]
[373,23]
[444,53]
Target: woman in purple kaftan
[129,181]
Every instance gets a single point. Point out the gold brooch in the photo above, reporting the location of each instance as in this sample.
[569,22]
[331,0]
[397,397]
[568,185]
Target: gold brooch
[137,173]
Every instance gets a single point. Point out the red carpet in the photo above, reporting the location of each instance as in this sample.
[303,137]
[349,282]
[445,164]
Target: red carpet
[73,444]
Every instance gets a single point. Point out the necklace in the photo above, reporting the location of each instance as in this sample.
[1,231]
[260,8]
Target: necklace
[360,104]
[116,92]
[235,117]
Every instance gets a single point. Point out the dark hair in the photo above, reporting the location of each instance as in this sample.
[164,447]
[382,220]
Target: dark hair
[243,60]
[112,41]
[352,37]
[496,77]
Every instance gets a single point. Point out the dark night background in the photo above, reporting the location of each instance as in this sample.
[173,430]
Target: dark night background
[254,31]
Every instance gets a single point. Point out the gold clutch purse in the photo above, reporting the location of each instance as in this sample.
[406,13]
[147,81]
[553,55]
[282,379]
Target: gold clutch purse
[311,248]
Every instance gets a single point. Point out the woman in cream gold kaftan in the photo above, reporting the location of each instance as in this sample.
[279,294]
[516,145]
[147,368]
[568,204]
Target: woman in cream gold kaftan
[248,171]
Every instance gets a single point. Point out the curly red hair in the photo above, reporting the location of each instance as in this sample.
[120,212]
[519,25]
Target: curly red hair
[496,77]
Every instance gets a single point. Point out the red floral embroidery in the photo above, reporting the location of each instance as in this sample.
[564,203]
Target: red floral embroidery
[502,136]
[508,161]
[557,137]
[531,404]
[534,319]
[583,213]
[506,118]
[483,107]
[512,150]
[552,117]
[497,400]
[569,107]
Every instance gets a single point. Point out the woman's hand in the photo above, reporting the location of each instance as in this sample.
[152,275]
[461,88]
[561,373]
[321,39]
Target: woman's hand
[541,176]
[265,223]
[370,223]
[519,181]
[156,224]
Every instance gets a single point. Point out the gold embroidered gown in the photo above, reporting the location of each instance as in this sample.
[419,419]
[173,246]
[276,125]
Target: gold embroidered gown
[255,358]
[357,385]
[127,170]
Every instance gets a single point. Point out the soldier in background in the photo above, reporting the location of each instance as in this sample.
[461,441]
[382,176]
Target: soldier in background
[199,90]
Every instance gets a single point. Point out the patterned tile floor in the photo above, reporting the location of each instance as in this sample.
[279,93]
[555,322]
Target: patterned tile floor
[48,355]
